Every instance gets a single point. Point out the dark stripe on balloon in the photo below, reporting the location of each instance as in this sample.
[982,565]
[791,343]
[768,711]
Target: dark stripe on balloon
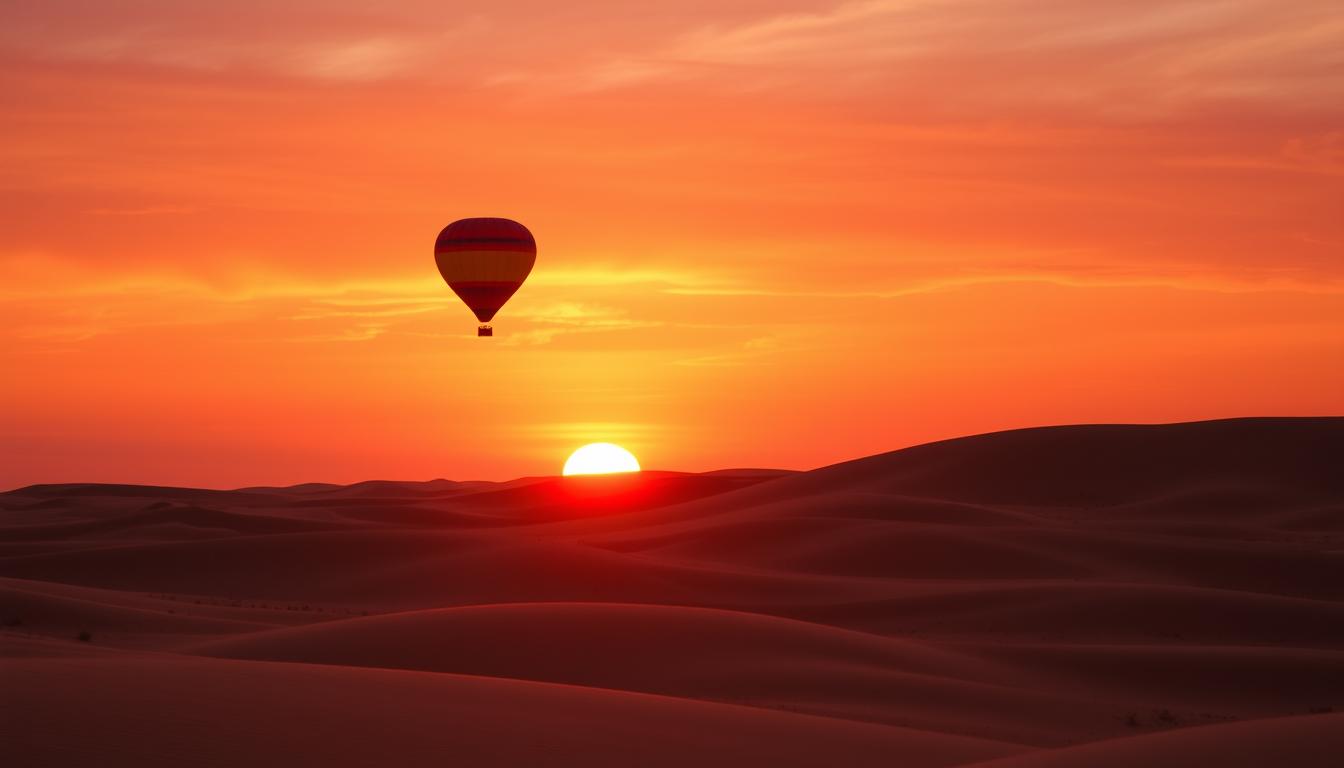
[458,246]
[485,228]
[527,243]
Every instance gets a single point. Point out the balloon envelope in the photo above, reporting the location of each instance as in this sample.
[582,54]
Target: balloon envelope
[485,261]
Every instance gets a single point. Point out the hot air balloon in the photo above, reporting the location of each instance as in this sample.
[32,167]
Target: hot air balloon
[485,261]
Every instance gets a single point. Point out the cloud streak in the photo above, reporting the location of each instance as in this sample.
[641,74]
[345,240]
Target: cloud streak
[1145,57]
[1131,59]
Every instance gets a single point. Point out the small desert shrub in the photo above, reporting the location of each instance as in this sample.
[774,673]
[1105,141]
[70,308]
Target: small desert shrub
[84,636]
[12,621]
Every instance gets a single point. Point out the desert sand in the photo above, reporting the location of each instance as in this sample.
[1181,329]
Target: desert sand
[1096,595]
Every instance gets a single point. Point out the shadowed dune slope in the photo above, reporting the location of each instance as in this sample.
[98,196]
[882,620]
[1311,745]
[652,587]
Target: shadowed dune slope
[1314,741]
[1107,464]
[689,652]
[245,713]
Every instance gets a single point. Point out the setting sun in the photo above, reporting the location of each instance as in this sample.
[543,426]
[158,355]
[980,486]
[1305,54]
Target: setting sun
[600,459]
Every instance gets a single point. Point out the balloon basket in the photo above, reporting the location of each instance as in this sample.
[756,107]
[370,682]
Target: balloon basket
[485,330]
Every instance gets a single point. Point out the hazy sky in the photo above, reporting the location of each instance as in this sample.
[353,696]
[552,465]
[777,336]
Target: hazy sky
[770,233]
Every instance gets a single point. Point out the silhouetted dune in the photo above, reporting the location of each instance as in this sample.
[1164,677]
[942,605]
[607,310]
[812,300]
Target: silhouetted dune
[715,655]
[344,716]
[215,521]
[124,625]
[1303,742]
[113,490]
[364,488]
[1054,596]
[1243,681]
[1093,611]
[1106,464]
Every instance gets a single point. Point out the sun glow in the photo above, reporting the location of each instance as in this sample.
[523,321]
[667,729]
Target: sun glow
[600,459]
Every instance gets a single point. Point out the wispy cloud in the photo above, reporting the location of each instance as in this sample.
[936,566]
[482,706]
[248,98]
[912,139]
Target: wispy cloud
[1139,57]
[350,59]
[1136,57]
[586,429]
[146,210]
[869,30]
[750,351]
[327,309]
[565,318]
[1319,154]
[615,275]
[355,333]
[71,304]
[1195,279]
[291,45]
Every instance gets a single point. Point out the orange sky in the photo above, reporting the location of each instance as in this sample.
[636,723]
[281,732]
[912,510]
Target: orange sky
[770,233]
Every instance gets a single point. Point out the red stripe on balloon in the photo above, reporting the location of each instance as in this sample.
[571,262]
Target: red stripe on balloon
[484,297]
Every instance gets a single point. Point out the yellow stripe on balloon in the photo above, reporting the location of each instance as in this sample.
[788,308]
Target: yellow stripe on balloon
[484,265]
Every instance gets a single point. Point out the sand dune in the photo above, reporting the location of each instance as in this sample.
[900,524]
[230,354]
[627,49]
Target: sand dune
[73,615]
[1056,596]
[166,521]
[1094,611]
[172,712]
[696,653]
[1304,742]
[1103,465]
